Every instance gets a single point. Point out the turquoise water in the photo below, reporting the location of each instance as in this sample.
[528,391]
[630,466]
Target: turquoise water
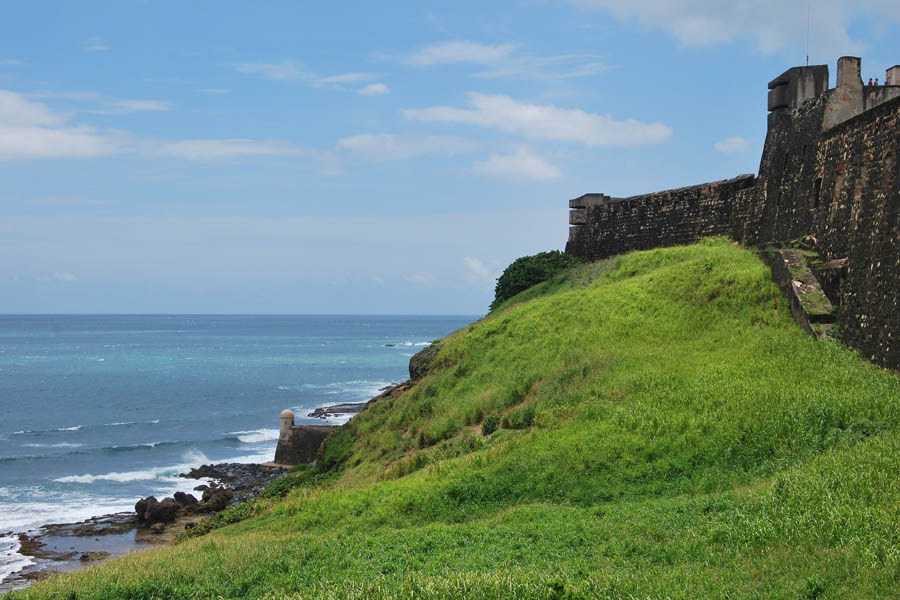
[98,411]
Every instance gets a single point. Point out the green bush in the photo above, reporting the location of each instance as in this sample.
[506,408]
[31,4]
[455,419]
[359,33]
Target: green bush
[490,425]
[519,419]
[527,271]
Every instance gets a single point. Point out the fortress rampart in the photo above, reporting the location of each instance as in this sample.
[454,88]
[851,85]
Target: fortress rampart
[828,174]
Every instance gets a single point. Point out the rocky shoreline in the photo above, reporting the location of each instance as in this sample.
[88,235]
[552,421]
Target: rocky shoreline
[352,409]
[62,547]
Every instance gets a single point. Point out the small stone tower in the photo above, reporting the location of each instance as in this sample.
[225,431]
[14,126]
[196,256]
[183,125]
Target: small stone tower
[298,443]
[286,421]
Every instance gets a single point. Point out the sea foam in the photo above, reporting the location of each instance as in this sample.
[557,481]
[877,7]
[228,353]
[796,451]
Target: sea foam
[10,559]
[256,436]
[192,458]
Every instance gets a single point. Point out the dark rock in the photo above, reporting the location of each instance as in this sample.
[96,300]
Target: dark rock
[421,361]
[324,412]
[93,556]
[158,528]
[200,488]
[165,511]
[208,471]
[216,499]
[186,501]
[150,511]
[141,505]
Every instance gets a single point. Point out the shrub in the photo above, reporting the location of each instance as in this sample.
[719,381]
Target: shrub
[490,425]
[519,419]
[527,271]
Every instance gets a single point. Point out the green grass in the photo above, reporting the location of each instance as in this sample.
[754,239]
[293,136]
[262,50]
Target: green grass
[666,431]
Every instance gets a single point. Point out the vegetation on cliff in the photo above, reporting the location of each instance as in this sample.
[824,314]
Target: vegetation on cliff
[527,271]
[663,429]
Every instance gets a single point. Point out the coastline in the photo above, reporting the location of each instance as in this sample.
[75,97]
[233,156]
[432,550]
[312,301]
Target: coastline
[65,547]
[51,529]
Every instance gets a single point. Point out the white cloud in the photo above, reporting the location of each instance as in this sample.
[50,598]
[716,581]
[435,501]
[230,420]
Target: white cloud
[228,148]
[16,109]
[45,142]
[212,91]
[290,70]
[522,166]
[77,96]
[771,24]
[477,274]
[105,105]
[347,78]
[461,51]
[732,145]
[122,107]
[383,147]
[31,130]
[94,44]
[540,122]
[506,60]
[11,62]
[374,89]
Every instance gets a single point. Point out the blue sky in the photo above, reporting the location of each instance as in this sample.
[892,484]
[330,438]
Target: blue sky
[359,157]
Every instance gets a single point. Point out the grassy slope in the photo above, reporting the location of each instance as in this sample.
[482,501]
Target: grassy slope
[688,441]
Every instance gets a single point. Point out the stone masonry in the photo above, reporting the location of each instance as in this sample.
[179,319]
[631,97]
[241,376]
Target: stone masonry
[828,174]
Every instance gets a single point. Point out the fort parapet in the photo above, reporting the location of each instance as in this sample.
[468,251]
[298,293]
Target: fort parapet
[828,174]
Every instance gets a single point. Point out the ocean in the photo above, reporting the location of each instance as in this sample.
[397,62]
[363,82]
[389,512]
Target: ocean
[99,411]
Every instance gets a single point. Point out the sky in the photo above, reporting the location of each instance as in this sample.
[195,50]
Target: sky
[365,158]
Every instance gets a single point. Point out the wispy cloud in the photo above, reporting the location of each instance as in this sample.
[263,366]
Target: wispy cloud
[94,44]
[732,145]
[212,91]
[507,61]
[293,71]
[347,78]
[11,62]
[103,104]
[461,51]
[227,148]
[771,24]
[543,122]
[478,274]
[121,107]
[522,166]
[384,147]
[31,130]
[374,89]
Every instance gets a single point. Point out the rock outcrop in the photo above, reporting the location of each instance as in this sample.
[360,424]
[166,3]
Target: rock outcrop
[421,361]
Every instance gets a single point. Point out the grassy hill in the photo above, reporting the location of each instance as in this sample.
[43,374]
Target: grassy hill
[666,431]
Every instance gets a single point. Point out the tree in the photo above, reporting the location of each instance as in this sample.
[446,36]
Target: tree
[527,271]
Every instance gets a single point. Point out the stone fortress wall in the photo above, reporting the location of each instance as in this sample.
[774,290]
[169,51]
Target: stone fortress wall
[828,173]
